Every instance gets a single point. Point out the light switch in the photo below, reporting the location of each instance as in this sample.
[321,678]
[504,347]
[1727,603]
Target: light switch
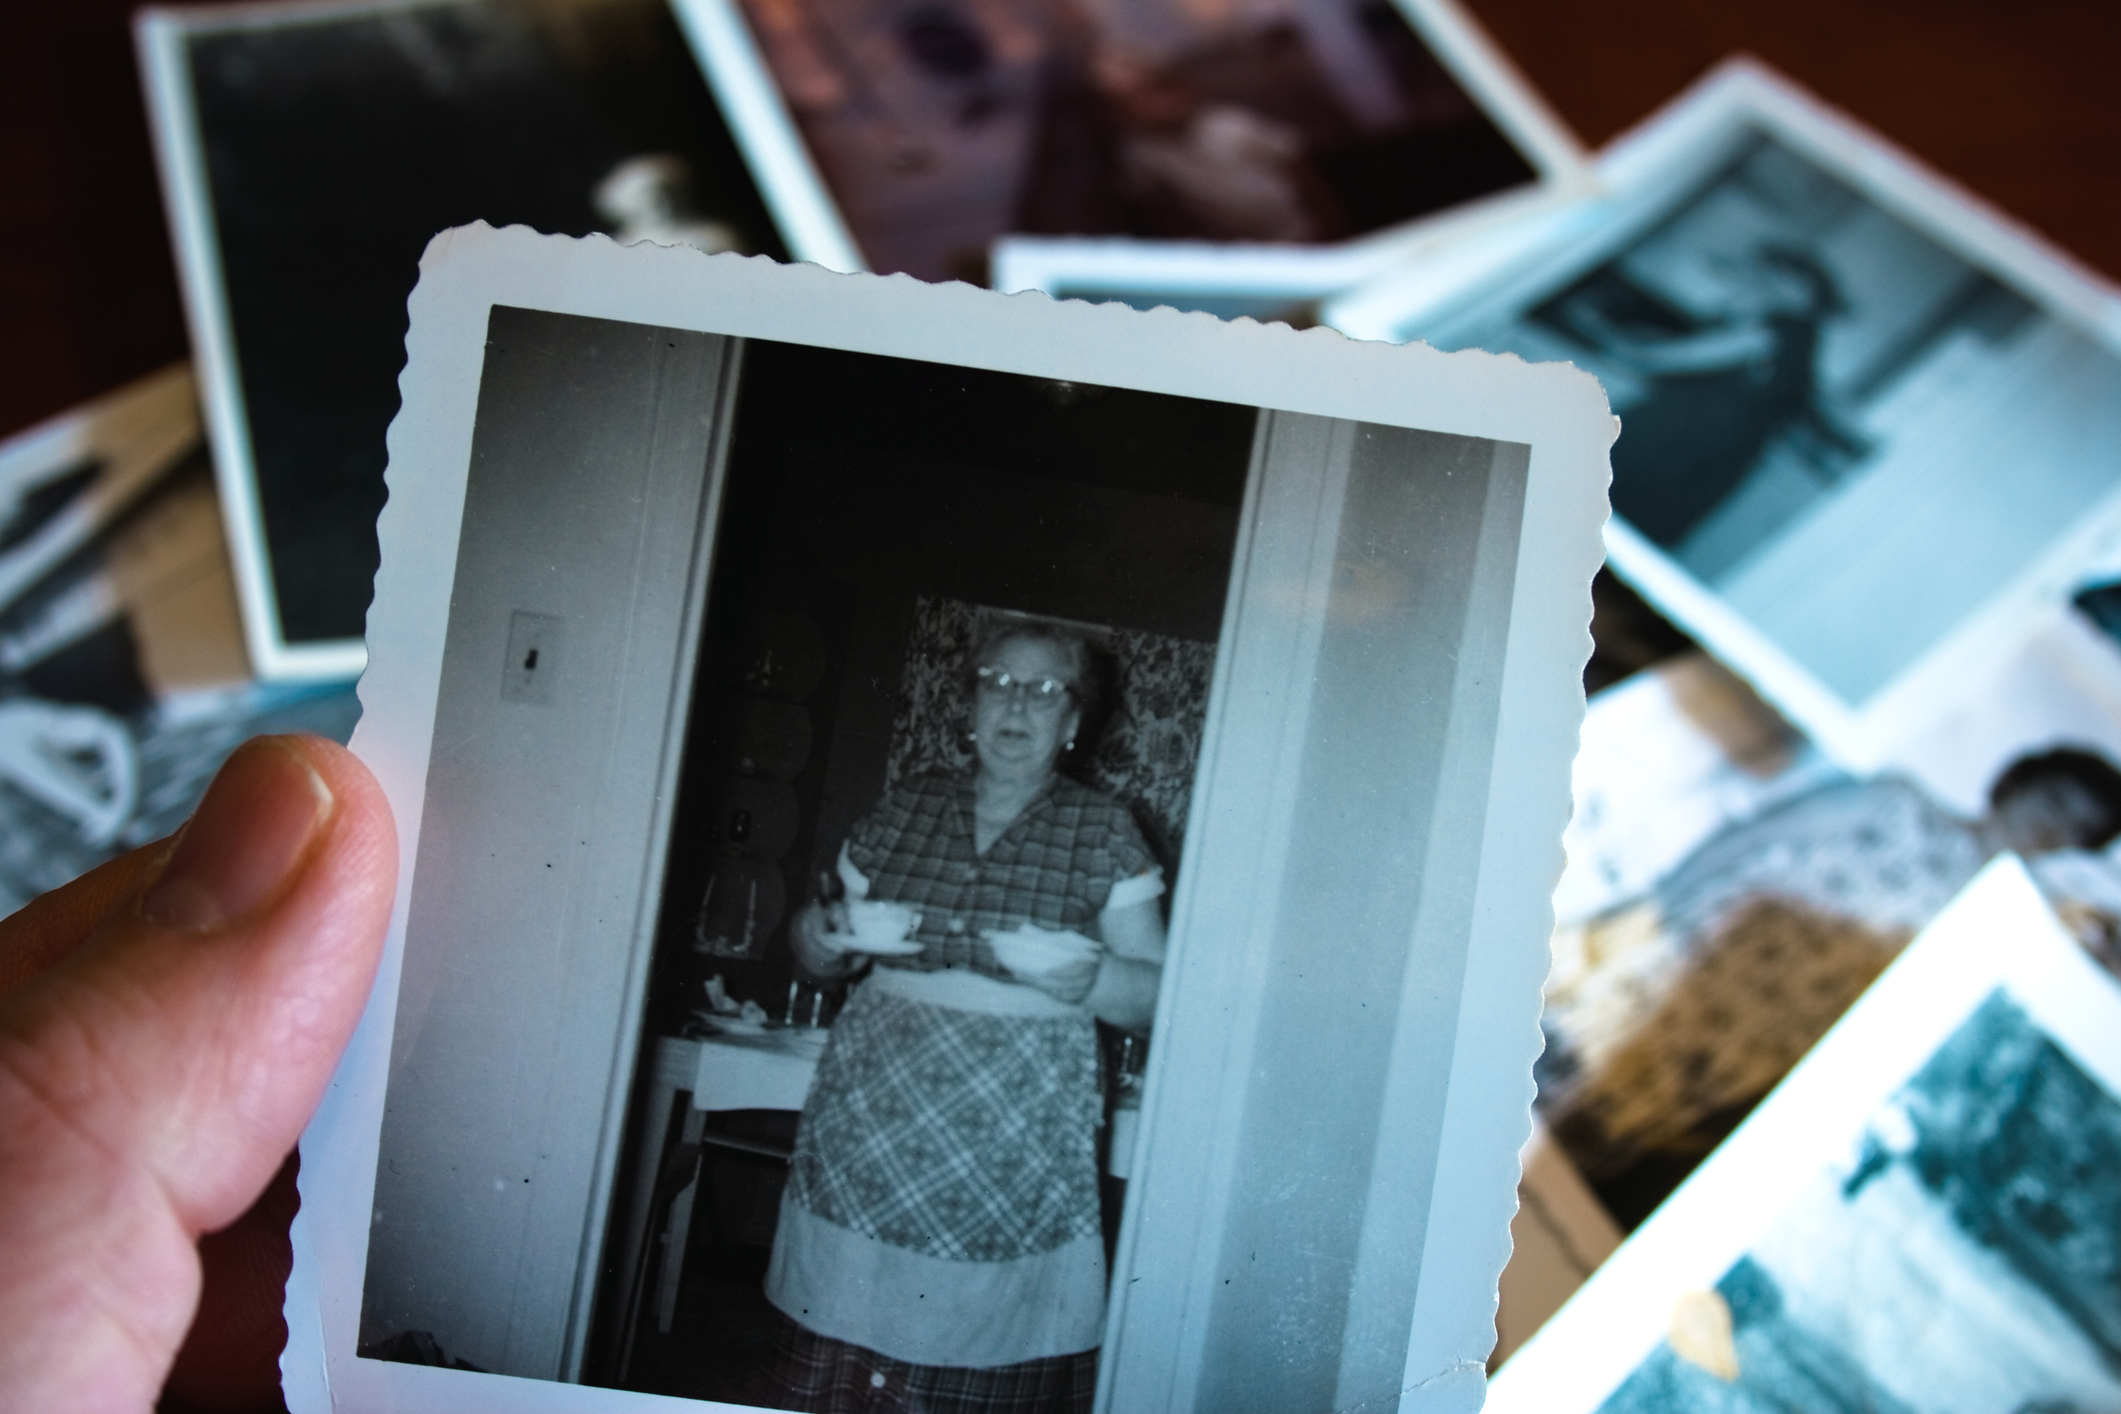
[533,658]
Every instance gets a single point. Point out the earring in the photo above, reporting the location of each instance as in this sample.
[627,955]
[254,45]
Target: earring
[1070,746]
[972,736]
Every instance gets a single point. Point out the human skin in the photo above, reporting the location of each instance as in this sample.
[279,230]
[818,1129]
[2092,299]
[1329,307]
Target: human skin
[167,1025]
[1018,749]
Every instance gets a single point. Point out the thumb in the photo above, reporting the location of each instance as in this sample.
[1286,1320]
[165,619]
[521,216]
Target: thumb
[152,1082]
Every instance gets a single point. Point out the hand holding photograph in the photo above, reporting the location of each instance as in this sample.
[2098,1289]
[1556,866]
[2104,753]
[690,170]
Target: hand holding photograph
[958,845]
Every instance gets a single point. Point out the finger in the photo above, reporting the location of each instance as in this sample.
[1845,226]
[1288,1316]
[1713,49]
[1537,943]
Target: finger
[154,1079]
[52,925]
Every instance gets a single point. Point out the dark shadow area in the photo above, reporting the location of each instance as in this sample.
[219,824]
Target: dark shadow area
[335,150]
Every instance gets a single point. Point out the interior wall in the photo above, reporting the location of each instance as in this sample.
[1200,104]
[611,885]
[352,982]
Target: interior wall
[1319,944]
[1372,798]
[542,843]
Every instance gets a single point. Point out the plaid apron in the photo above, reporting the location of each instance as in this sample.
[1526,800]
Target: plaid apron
[959,1135]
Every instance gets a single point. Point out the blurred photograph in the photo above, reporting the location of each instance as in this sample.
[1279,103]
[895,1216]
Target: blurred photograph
[1820,355]
[123,680]
[1670,1016]
[1965,1261]
[1920,1219]
[309,153]
[940,126]
[69,478]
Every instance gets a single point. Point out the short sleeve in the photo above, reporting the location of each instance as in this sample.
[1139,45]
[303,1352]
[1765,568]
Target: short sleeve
[1136,888]
[1133,870]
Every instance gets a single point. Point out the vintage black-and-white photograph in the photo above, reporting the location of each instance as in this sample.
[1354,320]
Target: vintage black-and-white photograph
[919,875]
[939,127]
[1966,1260]
[958,646]
[123,681]
[1821,355]
[1815,396]
[310,152]
[1920,1219]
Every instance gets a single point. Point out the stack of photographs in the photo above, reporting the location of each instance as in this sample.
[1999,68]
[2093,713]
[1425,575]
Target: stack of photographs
[1870,461]
[1244,161]
[1869,465]
[1921,1219]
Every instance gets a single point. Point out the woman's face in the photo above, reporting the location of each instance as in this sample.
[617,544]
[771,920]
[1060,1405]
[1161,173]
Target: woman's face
[1017,731]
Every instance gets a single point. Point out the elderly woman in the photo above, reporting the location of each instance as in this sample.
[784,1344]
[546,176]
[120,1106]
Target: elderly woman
[940,1245]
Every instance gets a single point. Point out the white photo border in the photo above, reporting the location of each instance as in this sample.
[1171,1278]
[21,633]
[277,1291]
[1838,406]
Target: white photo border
[1557,414]
[1643,172]
[161,36]
[766,133]
[1116,267]
[1998,933]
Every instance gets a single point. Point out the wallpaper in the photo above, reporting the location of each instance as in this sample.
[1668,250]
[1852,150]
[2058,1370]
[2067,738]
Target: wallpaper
[1145,752]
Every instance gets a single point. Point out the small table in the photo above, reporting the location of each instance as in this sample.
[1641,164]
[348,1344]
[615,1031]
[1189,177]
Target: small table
[769,1071]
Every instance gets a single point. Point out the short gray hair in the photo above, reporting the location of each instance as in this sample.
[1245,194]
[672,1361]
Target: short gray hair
[1068,642]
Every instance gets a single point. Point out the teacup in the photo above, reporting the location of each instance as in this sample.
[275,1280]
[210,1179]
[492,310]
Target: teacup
[882,927]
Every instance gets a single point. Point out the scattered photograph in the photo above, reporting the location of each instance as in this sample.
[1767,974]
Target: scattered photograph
[1670,1015]
[939,127]
[65,480]
[308,154]
[1921,1219]
[123,682]
[82,782]
[1966,1261]
[873,763]
[1821,357]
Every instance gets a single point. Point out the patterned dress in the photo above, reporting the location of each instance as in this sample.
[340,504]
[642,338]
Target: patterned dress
[940,1228]
[1665,1014]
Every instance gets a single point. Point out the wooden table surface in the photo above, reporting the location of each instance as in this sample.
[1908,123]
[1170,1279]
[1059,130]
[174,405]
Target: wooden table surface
[2015,101]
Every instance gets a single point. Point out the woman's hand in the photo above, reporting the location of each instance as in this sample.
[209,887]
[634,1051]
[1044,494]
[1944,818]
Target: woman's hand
[1062,964]
[822,940]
